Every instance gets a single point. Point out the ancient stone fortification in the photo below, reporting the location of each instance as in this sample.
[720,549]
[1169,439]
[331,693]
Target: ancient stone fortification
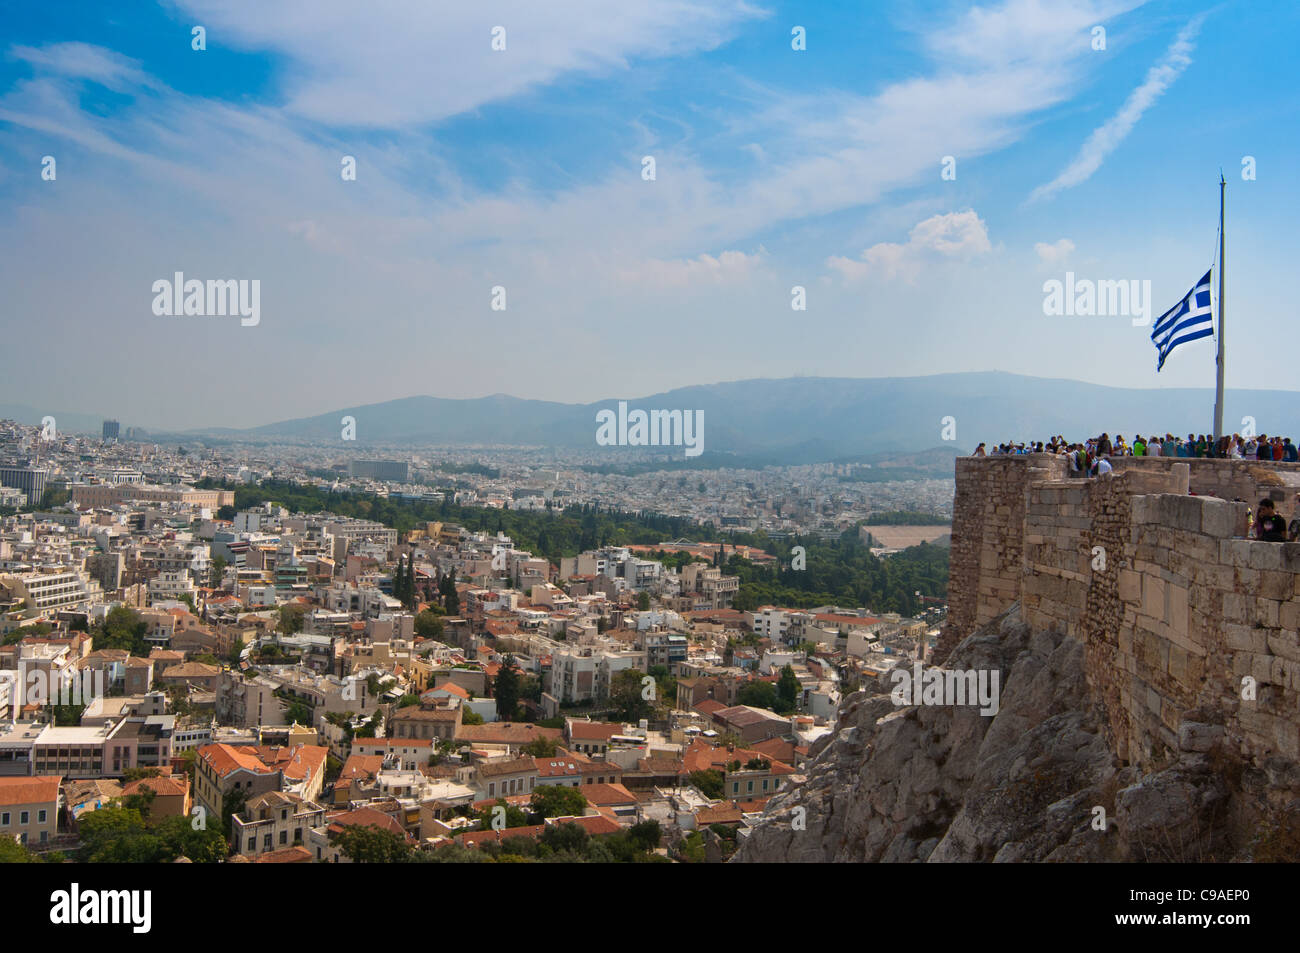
[1175,609]
[1122,615]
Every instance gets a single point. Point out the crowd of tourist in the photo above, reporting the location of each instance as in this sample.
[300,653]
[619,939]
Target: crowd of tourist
[1235,447]
[1091,458]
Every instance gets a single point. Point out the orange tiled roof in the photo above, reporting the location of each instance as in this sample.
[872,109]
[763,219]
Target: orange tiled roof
[175,785]
[41,789]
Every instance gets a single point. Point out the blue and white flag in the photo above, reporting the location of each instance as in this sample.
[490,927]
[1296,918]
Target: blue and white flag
[1189,320]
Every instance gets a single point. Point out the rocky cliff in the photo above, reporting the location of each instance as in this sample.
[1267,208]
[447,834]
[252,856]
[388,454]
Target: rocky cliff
[1037,781]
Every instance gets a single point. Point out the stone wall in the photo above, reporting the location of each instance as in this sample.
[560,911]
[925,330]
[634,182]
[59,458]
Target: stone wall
[985,565]
[1174,609]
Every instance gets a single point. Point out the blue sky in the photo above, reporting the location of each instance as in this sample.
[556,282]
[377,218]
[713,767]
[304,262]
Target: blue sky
[522,168]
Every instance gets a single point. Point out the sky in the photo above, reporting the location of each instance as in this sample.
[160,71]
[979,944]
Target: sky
[919,170]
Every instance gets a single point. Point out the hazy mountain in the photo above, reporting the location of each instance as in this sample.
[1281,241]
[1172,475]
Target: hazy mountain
[796,420]
[809,419]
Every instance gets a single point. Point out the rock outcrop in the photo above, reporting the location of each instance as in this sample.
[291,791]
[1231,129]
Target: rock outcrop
[1037,781]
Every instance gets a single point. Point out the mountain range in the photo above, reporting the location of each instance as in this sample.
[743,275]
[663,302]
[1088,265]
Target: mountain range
[791,420]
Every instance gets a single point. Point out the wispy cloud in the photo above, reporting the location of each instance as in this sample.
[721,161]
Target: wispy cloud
[83,61]
[408,62]
[1107,137]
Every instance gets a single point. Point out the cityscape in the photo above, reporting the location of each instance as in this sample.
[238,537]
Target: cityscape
[666,436]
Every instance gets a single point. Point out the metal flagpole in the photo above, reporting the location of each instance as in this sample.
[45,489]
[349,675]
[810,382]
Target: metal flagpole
[1218,393]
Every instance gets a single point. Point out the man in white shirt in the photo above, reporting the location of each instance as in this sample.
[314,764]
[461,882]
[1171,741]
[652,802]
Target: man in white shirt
[1104,467]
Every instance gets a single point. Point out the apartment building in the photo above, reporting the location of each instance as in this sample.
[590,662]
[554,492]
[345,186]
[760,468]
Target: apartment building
[506,777]
[708,586]
[47,590]
[221,769]
[426,722]
[585,673]
[29,480]
[29,808]
[274,820]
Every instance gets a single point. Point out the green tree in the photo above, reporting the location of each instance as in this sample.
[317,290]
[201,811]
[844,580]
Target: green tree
[665,682]
[553,800]
[643,601]
[370,844]
[565,838]
[626,693]
[787,690]
[428,625]
[505,688]
[218,570]
[758,695]
[451,598]
[514,816]
[231,804]
[203,846]
[291,619]
[709,781]
[122,628]
[647,834]
[298,712]
[12,852]
[540,748]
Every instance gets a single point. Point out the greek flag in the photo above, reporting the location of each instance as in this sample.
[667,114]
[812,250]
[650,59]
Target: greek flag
[1188,320]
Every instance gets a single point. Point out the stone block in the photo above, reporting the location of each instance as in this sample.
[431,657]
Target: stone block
[1268,613]
[1239,638]
[1145,509]
[1244,580]
[1181,512]
[1291,557]
[1286,738]
[1218,518]
[1276,585]
[1130,586]
[1197,737]
[1265,556]
[1153,597]
[1261,667]
[1180,476]
[1178,608]
[1238,607]
[1235,552]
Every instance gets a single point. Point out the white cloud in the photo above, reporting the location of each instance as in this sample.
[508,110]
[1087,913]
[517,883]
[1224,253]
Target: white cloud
[391,63]
[83,61]
[1107,137]
[1055,252]
[727,268]
[953,236]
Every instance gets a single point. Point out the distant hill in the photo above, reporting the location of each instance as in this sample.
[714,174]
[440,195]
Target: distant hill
[800,420]
[807,420]
[64,421]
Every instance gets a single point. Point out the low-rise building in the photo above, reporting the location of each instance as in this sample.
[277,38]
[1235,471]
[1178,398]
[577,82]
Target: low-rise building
[29,808]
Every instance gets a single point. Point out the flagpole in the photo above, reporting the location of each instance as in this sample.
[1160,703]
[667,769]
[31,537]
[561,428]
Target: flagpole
[1218,393]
